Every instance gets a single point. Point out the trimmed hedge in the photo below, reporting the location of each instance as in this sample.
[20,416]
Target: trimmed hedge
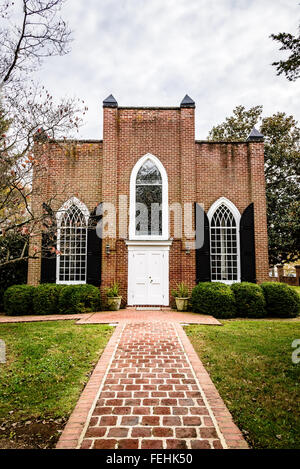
[49,298]
[218,299]
[282,300]
[249,299]
[45,298]
[79,299]
[18,300]
[213,298]
[271,299]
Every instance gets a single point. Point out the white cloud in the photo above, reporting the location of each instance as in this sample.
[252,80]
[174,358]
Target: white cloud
[153,52]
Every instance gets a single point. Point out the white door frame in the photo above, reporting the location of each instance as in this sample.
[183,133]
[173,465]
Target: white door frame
[162,246]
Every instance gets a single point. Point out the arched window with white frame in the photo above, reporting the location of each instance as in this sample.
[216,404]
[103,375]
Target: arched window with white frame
[72,224]
[224,220]
[149,200]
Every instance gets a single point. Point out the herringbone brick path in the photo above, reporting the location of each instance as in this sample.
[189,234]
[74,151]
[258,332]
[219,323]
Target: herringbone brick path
[151,398]
[149,390]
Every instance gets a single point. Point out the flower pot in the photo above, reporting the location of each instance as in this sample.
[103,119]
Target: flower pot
[182,304]
[114,303]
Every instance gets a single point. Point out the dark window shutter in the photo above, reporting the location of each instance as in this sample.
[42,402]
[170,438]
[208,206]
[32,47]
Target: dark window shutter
[203,252]
[48,258]
[247,245]
[48,262]
[94,250]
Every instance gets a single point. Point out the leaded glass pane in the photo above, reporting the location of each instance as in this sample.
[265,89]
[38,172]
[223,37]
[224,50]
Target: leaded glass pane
[224,254]
[149,174]
[148,210]
[148,217]
[73,246]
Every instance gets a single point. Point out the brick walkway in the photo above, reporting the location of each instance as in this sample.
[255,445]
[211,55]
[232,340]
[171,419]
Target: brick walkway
[123,316]
[150,391]
[132,315]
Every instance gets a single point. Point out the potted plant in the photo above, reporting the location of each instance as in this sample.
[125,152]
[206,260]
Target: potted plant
[181,295]
[113,297]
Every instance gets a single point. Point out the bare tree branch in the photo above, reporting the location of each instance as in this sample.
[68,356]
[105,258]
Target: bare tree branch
[43,33]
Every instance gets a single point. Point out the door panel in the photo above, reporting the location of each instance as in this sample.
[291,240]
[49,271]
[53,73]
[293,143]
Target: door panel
[138,273]
[148,277]
[155,266]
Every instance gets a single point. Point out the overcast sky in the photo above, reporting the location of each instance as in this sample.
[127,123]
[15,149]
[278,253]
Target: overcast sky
[153,52]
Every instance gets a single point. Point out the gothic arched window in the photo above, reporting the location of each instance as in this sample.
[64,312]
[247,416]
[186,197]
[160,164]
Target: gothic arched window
[148,200]
[72,243]
[149,204]
[224,242]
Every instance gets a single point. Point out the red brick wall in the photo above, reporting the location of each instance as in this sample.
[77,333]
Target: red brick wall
[223,171]
[199,171]
[169,135]
[73,170]
[236,171]
[258,196]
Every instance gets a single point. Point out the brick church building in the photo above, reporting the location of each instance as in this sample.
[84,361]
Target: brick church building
[149,206]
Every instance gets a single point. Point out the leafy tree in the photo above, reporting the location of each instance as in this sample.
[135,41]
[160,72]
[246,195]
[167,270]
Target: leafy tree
[238,126]
[282,170]
[291,66]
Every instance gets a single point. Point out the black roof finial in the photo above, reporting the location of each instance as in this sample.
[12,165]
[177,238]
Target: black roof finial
[255,136]
[110,102]
[187,102]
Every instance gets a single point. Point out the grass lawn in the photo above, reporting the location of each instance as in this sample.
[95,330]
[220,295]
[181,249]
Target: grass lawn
[47,366]
[250,364]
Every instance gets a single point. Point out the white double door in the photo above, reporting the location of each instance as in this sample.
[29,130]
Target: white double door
[148,276]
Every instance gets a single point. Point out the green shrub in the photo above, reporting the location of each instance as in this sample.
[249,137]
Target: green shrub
[18,300]
[79,299]
[45,298]
[249,299]
[213,298]
[282,300]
